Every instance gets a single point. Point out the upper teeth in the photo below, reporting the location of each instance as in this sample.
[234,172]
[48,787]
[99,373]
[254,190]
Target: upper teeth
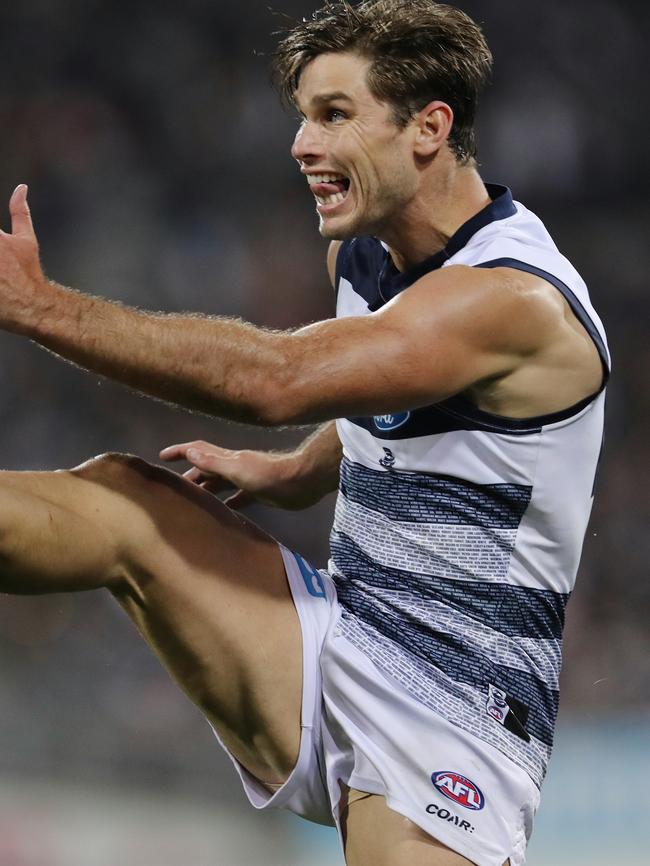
[323,178]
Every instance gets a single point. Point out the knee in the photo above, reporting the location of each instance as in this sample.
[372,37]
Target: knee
[157,489]
[124,472]
[113,465]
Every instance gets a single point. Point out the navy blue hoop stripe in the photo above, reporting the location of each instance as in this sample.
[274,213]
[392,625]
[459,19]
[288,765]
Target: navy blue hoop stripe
[417,497]
[457,659]
[516,611]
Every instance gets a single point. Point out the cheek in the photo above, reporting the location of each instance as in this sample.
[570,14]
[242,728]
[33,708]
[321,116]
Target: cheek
[367,176]
[398,175]
[384,165]
[354,153]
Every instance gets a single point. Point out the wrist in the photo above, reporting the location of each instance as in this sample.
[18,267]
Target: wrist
[296,465]
[317,461]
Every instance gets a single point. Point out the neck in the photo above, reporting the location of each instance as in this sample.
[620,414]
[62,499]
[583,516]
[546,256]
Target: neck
[443,203]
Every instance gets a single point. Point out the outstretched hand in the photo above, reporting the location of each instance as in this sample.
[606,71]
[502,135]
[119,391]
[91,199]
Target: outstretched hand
[255,476]
[21,276]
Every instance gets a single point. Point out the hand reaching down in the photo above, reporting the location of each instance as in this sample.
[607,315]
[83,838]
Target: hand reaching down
[277,479]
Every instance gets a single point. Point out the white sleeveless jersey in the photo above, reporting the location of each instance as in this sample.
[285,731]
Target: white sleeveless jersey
[458,533]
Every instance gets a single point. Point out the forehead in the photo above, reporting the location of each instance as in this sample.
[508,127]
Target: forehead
[334,75]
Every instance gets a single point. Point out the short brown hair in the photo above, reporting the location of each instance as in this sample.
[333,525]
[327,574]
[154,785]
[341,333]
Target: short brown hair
[419,51]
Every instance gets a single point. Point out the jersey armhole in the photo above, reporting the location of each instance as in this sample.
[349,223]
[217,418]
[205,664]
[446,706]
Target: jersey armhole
[570,297]
[341,257]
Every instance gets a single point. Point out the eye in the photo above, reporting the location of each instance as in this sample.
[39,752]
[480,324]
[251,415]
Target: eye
[335,115]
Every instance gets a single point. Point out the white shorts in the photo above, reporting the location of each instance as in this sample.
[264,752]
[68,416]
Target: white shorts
[362,729]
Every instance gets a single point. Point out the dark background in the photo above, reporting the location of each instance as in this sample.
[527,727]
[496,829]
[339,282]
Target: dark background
[158,162]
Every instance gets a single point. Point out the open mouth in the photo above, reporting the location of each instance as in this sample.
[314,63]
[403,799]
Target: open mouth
[329,189]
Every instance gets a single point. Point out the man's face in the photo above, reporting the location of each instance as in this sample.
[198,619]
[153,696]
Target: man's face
[358,162]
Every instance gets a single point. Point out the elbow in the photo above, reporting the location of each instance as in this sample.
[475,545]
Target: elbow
[278,409]
[287,391]
[283,404]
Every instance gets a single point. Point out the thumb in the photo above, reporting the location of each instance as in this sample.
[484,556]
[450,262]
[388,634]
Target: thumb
[21,220]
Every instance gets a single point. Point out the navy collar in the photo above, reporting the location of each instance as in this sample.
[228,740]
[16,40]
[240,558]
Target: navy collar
[392,281]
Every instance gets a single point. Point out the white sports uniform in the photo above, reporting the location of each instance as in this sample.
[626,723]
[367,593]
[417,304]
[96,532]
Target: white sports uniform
[432,645]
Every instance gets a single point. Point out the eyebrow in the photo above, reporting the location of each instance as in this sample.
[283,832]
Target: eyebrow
[322,98]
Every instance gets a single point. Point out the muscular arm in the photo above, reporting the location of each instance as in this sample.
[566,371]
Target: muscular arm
[220,366]
[223,367]
[441,336]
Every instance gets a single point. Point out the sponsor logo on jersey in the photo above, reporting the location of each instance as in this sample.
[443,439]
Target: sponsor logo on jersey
[391,422]
[448,816]
[459,789]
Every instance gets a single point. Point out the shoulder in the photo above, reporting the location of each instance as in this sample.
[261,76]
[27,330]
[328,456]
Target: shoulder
[498,307]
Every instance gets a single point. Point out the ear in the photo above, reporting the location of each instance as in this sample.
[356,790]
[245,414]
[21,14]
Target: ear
[433,124]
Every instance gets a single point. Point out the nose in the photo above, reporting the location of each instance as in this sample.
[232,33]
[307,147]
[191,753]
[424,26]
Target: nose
[307,145]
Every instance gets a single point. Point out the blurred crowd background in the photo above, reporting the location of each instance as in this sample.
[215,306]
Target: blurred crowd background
[158,162]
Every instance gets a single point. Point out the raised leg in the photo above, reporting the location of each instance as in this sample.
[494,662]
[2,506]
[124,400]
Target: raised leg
[206,588]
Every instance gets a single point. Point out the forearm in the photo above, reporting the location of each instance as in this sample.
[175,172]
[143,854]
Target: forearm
[220,366]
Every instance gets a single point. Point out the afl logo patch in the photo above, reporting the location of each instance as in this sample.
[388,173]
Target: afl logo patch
[497,714]
[391,422]
[459,789]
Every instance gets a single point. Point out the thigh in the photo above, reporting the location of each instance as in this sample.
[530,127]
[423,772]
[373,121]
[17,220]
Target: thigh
[209,593]
[206,588]
[374,835]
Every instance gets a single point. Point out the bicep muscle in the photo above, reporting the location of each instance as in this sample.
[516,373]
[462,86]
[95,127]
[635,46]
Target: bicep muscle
[445,333]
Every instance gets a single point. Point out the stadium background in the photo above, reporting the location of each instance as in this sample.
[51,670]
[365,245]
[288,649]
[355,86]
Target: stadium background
[157,158]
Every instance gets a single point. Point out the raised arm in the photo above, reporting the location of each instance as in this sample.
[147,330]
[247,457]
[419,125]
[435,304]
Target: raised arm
[447,332]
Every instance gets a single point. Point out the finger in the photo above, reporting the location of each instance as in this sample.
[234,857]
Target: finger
[195,475]
[239,500]
[180,450]
[215,485]
[213,460]
[198,477]
[21,219]
[176,452]
[210,461]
